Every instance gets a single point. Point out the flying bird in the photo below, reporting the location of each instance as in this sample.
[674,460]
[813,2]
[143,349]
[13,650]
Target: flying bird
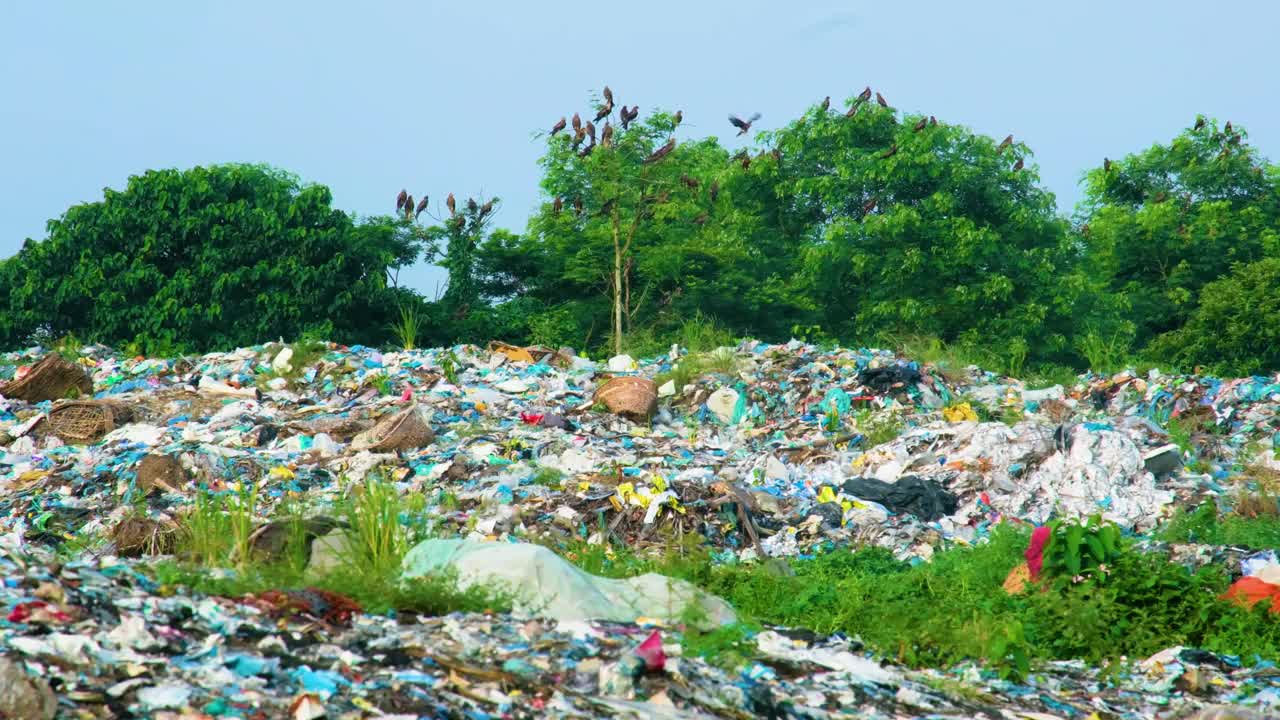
[451,204]
[1018,165]
[1199,122]
[679,116]
[661,152]
[880,100]
[924,122]
[400,200]
[826,103]
[743,126]
[422,205]
[893,150]
[558,126]
[557,206]
[1008,140]
[408,206]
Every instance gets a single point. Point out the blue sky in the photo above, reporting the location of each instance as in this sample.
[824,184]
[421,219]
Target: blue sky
[446,97]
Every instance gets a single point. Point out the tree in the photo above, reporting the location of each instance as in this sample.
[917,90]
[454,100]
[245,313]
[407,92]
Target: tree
[1163,223]
[909,226]
[207,258]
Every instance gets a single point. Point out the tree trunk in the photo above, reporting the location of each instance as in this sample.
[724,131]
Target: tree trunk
[617,287]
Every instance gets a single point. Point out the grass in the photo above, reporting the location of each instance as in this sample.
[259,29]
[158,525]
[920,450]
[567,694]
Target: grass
[215,532]
[722,361]
[954,608]
[877,427]
[405,328]
[548,477]
[1205,525]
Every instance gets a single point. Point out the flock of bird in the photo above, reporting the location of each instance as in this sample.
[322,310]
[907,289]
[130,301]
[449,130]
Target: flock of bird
[404,204]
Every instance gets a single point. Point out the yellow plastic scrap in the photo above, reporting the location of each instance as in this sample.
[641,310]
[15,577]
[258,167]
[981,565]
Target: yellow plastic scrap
[826,494]
[280,472]
[961,412]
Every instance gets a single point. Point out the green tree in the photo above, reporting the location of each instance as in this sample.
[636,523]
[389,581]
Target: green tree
[1162,223]
[1235,328]
[909,226]
[208,258]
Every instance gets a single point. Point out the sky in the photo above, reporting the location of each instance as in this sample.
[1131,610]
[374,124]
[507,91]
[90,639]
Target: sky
[370,97]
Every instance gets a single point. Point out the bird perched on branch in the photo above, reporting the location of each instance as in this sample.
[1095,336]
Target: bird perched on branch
[608,105]
[1199,122]
[893,150]
[628,116]
[714,190]
[557,205]
[826,104]
[471,205]
[400,200]
[920,125]
[587,150]
[743,158]
[743,125]
[690,182]
[933,121]
[1106,164]
[1227,128]
[558,126]
[678,117]
[422,205]
[577,123]
[881,101]
[1018,165]
[1008,140]
[486,208]
[577,206]
[868,206]
[661,152]
[591,132]
[408,207]
[606,135]
[451,204]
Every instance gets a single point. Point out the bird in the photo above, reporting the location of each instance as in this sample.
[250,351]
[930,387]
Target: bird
[451,204]
[743,126]
[743,158]
[865,95]
[1008,140]
[486,208]
[1227,128]
[629,117]
[714,190]
[924,122]
[933,121]
[270,542]
[1084,229]
[591,132]
[1106,164]
[471,205]
[606,137]
[893,150]
[400,200]
[661,152]
[608,95]
[577,206]
[1199,122]
[578,136]
[700,219]
[826,103]
[1235,140]
[577,122]
[422,205]
[880,101]
[558,126]
[587,150]
[678,117]
[408,206]
[777,155]
[1018,165]
[604,111]
[690,182]
[868,206]
[1160,197]
[557,206]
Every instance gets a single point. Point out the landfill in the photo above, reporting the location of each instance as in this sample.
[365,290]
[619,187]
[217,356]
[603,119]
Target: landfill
[783,456]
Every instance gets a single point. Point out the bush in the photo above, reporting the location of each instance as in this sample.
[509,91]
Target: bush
[1236,328]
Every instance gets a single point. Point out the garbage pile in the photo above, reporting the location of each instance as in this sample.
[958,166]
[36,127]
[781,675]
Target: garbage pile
[769,451]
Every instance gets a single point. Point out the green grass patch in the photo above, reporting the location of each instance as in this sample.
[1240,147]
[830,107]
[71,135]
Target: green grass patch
[1206,526]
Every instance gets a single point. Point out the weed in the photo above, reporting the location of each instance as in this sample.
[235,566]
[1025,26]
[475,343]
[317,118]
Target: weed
[378,537]
[877,427]
[1180,431]
[702,333]
[449,367]
[548,477]
[381,382]
[215,532]
[688,369]
[405,328]
[1203,525]
[1106,354]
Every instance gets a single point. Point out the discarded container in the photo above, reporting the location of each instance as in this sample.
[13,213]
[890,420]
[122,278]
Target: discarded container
[402,431]
[53,378]
[84,421]
[635,398]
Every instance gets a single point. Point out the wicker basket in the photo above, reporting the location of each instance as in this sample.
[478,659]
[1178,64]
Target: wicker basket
[402,431]
[159,471]
[50,379]
[84,422]
[635,398]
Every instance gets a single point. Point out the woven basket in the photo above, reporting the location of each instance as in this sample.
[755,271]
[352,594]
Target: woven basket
[84,422]
[402,431]
[50,379]
[159,471]
[635,398]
